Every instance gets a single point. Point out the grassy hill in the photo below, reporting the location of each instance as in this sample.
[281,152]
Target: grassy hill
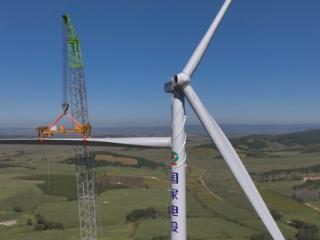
[40,180]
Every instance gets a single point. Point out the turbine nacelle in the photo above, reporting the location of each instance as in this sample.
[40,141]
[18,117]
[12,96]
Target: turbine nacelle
[178,82]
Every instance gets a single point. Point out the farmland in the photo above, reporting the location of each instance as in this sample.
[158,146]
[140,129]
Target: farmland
[40,180]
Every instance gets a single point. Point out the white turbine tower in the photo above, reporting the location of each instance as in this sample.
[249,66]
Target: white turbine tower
[180,87]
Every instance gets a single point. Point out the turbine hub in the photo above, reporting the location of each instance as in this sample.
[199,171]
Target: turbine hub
[178,82]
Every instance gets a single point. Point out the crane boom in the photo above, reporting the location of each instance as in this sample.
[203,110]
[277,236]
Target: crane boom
[74,80]
[75,96]
[74,88]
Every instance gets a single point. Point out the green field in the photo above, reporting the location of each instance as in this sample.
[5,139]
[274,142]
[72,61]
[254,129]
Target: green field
[37,181]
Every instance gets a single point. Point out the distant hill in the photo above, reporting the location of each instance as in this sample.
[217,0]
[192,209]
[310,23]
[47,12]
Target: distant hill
[307,137]
[304,141]
[300,138]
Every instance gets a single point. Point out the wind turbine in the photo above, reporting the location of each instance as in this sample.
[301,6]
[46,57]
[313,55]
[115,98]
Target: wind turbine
[180,88]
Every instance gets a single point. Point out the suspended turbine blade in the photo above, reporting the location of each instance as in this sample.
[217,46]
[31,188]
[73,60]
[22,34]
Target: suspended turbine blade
[203,45]
[141,142]
[233,161]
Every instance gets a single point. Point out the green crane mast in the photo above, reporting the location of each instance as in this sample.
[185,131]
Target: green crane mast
[75,98]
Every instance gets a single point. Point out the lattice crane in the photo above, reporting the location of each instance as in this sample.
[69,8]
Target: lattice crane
[75,99]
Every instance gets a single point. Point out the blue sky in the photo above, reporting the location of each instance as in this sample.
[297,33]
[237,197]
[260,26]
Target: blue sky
[262,67]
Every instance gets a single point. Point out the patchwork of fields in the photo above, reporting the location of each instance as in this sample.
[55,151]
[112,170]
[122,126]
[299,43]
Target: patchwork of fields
[40,181]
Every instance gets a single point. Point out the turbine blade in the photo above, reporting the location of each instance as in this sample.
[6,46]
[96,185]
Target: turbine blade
[140,142]
[203,45]
[233,161]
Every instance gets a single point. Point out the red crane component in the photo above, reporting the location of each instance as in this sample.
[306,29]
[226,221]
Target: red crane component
[47,131]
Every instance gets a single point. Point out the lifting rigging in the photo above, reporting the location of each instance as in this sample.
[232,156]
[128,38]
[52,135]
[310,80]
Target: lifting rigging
[75,100]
